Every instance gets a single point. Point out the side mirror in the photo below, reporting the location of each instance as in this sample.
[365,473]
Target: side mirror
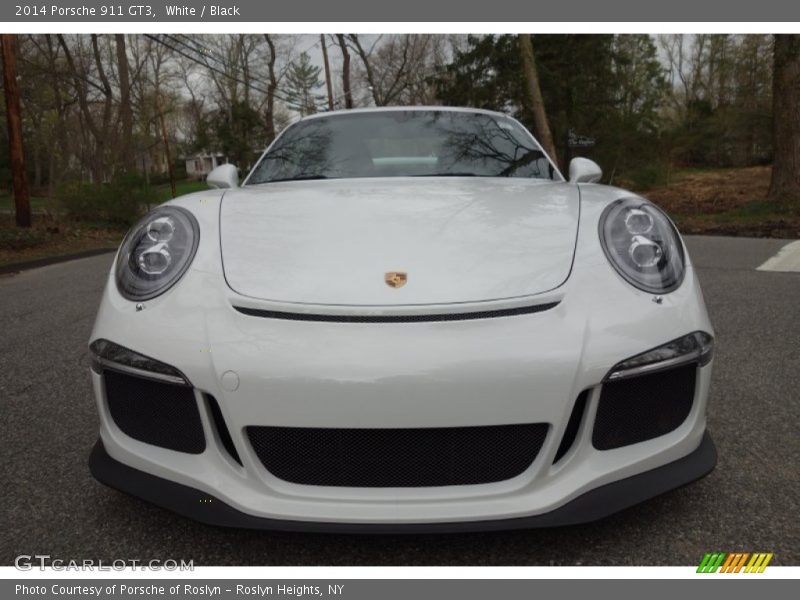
[224,176]
[583,170]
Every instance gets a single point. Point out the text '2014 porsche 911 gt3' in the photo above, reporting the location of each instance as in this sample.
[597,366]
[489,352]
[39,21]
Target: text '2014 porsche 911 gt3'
[404,319]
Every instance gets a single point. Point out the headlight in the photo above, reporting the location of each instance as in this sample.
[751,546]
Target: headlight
[156,252]
[697,346]
[642,245]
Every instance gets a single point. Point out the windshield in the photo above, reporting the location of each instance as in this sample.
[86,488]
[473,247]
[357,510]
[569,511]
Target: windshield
[403,143]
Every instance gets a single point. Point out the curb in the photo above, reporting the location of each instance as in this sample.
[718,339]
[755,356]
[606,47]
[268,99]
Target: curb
[52,260]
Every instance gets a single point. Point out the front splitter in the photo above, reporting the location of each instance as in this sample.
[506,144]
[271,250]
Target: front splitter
[595,504]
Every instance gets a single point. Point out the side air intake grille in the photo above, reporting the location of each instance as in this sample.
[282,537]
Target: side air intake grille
[642,408]
[161,414]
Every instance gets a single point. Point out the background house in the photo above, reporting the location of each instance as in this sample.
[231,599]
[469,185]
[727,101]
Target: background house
[198,166]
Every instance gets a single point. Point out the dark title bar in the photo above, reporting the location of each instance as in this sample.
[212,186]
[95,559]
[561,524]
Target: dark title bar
[249,11]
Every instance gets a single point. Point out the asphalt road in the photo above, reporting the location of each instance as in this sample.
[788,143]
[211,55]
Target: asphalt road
[751,502]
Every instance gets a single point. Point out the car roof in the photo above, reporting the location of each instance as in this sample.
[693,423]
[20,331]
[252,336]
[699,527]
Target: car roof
[378,109]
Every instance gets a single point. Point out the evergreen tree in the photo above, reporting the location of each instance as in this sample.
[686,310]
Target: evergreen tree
[302,79]
[487,74]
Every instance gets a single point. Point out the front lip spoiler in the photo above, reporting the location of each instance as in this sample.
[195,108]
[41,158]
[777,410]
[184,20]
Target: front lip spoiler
[591,506]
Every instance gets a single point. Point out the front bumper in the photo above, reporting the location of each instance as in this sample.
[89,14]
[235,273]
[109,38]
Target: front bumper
[595,504]
[482,373]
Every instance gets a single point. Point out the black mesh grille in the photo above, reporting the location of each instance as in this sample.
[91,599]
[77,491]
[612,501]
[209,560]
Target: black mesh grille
[222,428]
[156,413]
[573,425]
[397,457]
[642,408]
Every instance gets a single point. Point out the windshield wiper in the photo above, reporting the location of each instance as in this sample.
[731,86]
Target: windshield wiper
[448,174]
[298,178]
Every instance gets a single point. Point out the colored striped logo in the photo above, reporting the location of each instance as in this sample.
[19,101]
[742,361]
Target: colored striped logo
[735,562]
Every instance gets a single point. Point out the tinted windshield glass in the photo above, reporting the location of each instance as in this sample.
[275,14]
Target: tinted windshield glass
[403,144]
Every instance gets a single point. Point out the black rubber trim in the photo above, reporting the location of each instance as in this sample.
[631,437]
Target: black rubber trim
[426,318]
[573,425]
[596,504]
[222,428]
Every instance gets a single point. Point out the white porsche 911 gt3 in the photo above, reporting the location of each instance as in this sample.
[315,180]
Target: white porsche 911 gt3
[403,319]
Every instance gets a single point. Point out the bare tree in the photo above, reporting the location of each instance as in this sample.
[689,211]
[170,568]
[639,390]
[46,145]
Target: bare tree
[154,70]
[46,106]
[84,79]
[686,60]
[397,68]
[60,151]
[365,56]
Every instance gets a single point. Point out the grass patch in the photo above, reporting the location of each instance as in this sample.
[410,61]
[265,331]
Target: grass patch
[160,193]
[49,238]
[757,209]
[37,203]
[163,193]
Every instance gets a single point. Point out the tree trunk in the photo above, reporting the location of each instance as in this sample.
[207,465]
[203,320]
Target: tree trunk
[167,153]
[328,84]
[22,204]
[785,184]
[127,159]
[541,128]
[348,95]
[269,113]
[101,142]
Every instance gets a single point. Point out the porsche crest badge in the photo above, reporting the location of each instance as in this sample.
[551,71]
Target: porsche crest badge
[395,279]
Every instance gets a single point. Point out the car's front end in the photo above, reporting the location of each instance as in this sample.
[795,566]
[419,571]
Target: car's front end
[520,373]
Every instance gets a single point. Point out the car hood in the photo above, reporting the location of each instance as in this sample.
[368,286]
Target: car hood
[458,240]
